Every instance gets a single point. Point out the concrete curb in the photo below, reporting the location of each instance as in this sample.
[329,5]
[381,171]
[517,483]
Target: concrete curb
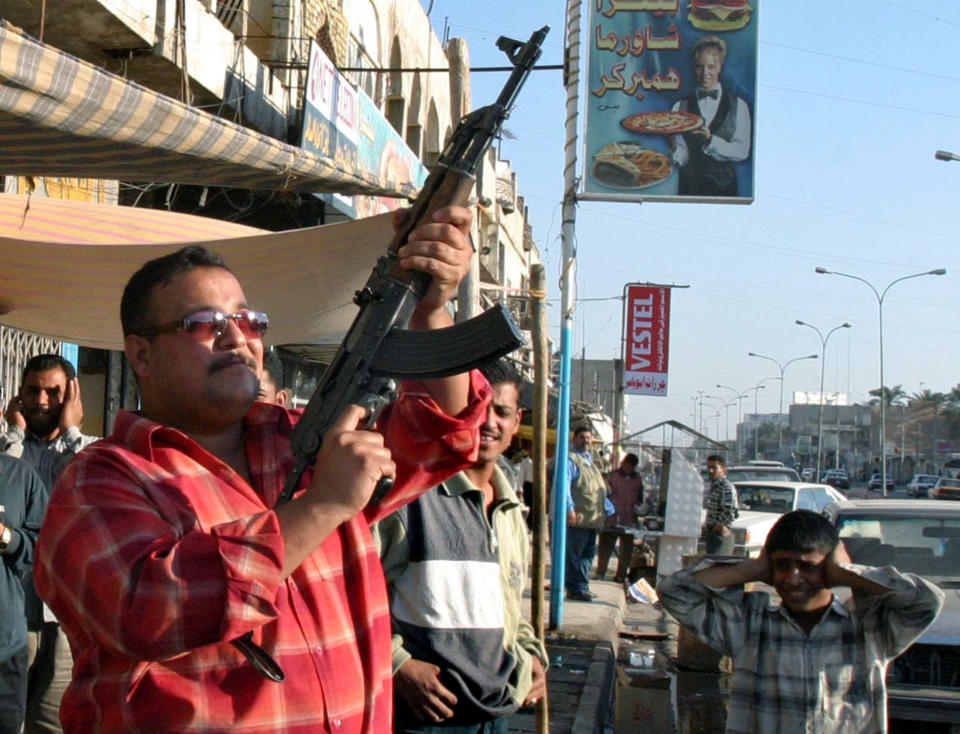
[594,703]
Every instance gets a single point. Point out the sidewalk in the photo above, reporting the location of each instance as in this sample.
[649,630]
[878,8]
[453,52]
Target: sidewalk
[582,663]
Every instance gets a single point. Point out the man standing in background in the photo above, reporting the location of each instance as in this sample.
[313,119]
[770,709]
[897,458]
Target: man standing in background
[626,492]
[721,508]
[586,514]
[43,428]
[23,501]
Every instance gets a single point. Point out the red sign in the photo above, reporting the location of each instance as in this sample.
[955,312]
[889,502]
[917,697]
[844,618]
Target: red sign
[646,323]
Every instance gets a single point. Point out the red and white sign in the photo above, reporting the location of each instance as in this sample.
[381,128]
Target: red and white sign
[646,340]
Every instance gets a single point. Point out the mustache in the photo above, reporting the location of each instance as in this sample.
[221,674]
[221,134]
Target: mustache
[229,359]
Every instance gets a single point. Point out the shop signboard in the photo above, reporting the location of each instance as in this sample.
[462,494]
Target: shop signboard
[340,121]
[646,339]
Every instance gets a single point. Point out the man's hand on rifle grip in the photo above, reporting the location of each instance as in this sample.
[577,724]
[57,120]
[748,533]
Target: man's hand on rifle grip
[442,250]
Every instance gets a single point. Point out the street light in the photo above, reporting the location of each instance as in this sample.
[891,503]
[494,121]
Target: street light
[739,397]
[883,408]
[823,364]
[782,368]
[946,155]
[756,429]
[724,404]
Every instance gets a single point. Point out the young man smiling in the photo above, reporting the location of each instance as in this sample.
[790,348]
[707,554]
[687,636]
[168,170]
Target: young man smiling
[809,663]
[455,560]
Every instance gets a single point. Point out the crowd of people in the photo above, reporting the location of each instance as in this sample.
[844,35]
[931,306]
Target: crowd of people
[172,591]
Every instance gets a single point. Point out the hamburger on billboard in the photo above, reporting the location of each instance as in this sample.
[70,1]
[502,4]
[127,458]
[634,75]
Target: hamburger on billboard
[719,15]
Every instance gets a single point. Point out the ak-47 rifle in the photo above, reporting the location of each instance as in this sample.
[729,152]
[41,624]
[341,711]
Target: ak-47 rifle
[378,350]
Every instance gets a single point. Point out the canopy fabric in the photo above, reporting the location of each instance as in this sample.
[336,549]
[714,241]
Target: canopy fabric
[60,116]
[42,219]
[68,287]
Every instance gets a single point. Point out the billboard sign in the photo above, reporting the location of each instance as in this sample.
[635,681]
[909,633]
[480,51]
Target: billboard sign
[340,121]
[670,100]
[646,339]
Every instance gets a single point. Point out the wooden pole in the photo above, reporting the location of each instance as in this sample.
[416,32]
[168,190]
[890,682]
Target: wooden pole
[541,366]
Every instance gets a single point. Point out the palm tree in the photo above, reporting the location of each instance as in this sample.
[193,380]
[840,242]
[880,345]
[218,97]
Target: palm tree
[891,395]
[929,397]
[926,406]
[953,397]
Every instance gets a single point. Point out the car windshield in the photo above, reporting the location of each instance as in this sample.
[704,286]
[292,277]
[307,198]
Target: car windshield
[766,499]
[953,483]
[762,474]
[924,545]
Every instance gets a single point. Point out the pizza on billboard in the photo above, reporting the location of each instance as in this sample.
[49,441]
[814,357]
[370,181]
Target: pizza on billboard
[662,122]
[719,15]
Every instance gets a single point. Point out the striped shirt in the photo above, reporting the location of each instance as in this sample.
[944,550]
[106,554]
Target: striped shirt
[787,682]
[721,503]
[154,554]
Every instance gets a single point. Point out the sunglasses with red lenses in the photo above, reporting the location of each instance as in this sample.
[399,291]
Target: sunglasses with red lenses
[210,324]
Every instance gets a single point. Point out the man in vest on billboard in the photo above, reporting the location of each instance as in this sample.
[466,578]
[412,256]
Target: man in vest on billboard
[706,154]
[586,514]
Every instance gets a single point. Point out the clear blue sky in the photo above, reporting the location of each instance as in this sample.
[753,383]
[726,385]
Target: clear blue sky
[854,98]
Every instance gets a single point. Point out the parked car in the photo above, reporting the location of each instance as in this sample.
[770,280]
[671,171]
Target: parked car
[807,475]
[946,489]
[922,537]
[837,478]
[921,484]
[755,473]
[762,504]
[876,481]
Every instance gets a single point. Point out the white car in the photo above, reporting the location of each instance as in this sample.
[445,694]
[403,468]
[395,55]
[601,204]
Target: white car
[762,504]
[921,484]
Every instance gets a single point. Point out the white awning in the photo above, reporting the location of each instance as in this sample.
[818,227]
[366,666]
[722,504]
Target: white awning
[63,266]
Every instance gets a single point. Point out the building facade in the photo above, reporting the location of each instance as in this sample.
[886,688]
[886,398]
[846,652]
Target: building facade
[248,61]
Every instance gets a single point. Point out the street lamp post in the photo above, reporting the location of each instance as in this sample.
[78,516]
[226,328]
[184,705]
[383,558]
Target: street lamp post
[756,428]
[880,295]
[726,406]
[782,368]
[738,396]
[823,364]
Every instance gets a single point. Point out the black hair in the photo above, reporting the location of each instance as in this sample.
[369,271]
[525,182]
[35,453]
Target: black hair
[273,367]
[632,459]
[44,362]
[717,458]
[581,429]
[135,303]
[500,371]
[802,531]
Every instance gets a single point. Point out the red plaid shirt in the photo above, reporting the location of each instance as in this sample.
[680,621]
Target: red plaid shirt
[154,553]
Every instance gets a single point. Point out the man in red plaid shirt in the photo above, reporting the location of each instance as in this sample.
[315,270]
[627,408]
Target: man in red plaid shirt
[164,541]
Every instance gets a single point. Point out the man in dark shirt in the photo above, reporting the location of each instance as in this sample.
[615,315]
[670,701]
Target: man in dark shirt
[23,502]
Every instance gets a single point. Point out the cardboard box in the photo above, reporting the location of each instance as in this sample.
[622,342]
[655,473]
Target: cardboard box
[642,701]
